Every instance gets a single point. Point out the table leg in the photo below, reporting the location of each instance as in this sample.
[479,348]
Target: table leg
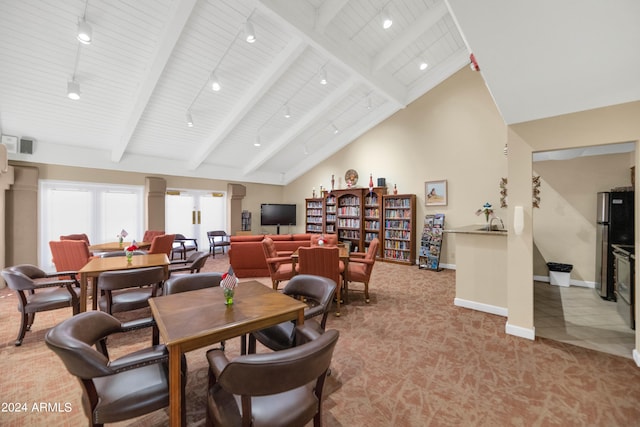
[94,292]
[83,292]
[175,385]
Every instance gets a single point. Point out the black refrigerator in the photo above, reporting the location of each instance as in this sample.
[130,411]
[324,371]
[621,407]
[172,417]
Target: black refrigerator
[614,225]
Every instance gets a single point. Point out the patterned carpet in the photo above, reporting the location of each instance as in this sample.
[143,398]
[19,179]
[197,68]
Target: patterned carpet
[409,358]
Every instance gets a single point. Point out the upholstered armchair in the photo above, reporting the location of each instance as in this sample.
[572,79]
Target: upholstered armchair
[150,234]
[317,292]
[183,245]
[193,264]
[191,282]
[113,390]
[29,283]
[280,267]
[69,255]
[162,244]
[360,267]
[327,239]
[325,262]
[79,236]
[271,389]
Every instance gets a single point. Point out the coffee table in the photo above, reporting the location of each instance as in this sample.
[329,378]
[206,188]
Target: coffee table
[195,319]
[99,265]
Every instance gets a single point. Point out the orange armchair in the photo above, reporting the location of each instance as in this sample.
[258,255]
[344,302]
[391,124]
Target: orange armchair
[80,236]
[322,261]
[162,244]
[360,267]
[280,267]
[328,239]
[150,234]
[69,255]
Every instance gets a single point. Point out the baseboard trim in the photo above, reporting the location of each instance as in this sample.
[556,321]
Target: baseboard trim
[572,282]
[521,332]
[478,306]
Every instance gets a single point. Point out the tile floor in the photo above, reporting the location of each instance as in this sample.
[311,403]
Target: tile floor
[578,316]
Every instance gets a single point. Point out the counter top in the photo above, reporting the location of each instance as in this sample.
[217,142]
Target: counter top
[477,229]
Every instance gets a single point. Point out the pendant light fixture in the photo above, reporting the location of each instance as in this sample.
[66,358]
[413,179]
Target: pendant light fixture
[249,32]
[214,82]
[287,113]
[323,76]
[387,21]
[85,34]
[189,119]
[335,129]
[73,89]
[257,143]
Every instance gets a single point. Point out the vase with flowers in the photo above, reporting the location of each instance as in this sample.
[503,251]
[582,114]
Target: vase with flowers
[487,211]
[128,252]
[121,237]
[228,284]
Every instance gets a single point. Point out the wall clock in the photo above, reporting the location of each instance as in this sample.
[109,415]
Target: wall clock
[351,176]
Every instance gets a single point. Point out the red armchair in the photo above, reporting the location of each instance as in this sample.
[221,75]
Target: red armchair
[280,267]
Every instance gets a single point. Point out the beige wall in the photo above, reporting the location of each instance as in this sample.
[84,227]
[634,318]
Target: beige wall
[454,132]
[564,227]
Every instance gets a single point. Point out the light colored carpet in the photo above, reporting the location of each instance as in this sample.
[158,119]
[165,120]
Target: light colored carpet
[409,358]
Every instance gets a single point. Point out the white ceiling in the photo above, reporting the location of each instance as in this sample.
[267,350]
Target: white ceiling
[150,62]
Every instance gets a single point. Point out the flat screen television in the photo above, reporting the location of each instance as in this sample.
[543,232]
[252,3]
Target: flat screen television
[277,214]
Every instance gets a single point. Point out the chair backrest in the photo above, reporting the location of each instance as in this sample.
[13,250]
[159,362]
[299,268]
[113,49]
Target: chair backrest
[122,279]
[217,235]
[29,270]
[320,261]
[79,236]
[317,291]
[191,282]
[17,280]
[269,248]
[276,372]
[373,249]
[150,234]
[69,255]
[328,239]
[198,260]
[73,340]
[162,244]
[120,253]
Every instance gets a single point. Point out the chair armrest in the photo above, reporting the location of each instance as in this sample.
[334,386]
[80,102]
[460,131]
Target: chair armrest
[362,261]
[217,361]
[136,324]
[54,283]
[179,262]
[279,259]
[314,311]
[148,356]
[71,273]
[305,333]
[284,253]
[357,255]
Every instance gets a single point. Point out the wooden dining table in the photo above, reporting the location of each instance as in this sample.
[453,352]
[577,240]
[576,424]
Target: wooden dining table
[95,266]
[195,319]
[117,246]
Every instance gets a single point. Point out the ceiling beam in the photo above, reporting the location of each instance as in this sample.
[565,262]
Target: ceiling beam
[326,105]
[180,14]
[410,35]
[248,100]
[326,13]
[383,83]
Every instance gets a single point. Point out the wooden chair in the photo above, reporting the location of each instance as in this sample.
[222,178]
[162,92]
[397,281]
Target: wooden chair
[113,390]
[360,267]
[162,244]
[29,283]
[281,388]
[280,267]
[183,245]
[322,261]
[191,282]
[193,264]
[317,292]
[217,239]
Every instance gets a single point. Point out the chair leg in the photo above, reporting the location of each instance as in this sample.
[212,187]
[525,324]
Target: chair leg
[366,292]
[155,335]
[252,345]
[23,329]
[31,317]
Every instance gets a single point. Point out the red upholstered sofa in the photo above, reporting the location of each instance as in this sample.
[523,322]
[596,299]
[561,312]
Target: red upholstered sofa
[247,257]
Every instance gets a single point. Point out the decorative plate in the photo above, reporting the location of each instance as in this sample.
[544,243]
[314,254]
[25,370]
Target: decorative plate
[351,175]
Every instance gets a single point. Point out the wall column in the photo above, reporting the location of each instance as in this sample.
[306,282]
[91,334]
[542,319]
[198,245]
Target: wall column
[155,190]
[6,179]
[236,192]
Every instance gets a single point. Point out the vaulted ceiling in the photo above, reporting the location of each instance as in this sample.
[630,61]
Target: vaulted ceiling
[150,65]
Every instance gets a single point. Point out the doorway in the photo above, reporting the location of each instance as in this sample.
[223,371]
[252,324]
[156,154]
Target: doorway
[194,212]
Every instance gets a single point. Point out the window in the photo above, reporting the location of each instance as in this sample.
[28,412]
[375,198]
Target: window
[100,211]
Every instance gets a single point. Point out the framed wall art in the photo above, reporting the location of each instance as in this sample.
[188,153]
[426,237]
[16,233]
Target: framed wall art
[435,193]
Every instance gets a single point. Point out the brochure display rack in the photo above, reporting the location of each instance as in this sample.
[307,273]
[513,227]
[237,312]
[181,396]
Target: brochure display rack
[431,242]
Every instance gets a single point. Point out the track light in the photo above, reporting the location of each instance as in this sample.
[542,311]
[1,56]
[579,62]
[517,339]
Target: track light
[189,119]
[249,32]
[215,83]
[287,113]
[423,65]
[323,77]
[84,32]
[387,22]
[73,90]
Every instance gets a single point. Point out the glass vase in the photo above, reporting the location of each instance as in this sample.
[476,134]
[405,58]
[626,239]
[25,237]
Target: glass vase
[228,296]
[129,256]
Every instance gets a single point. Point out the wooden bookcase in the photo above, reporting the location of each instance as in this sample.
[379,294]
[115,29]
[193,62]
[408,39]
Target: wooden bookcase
[314,212]
[349,217]
[373,217]
[330,213]
[399,228]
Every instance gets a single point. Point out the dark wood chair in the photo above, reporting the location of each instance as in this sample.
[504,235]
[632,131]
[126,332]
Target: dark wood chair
[113,390]
[280,267]
[281,388]
[38,291]
[193,264]
[217,239]
[317,292]
[183,245]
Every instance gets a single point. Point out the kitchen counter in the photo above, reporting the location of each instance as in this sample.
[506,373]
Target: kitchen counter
[481,269]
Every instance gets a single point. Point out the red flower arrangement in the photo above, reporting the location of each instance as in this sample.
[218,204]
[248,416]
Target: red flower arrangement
[131,248]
